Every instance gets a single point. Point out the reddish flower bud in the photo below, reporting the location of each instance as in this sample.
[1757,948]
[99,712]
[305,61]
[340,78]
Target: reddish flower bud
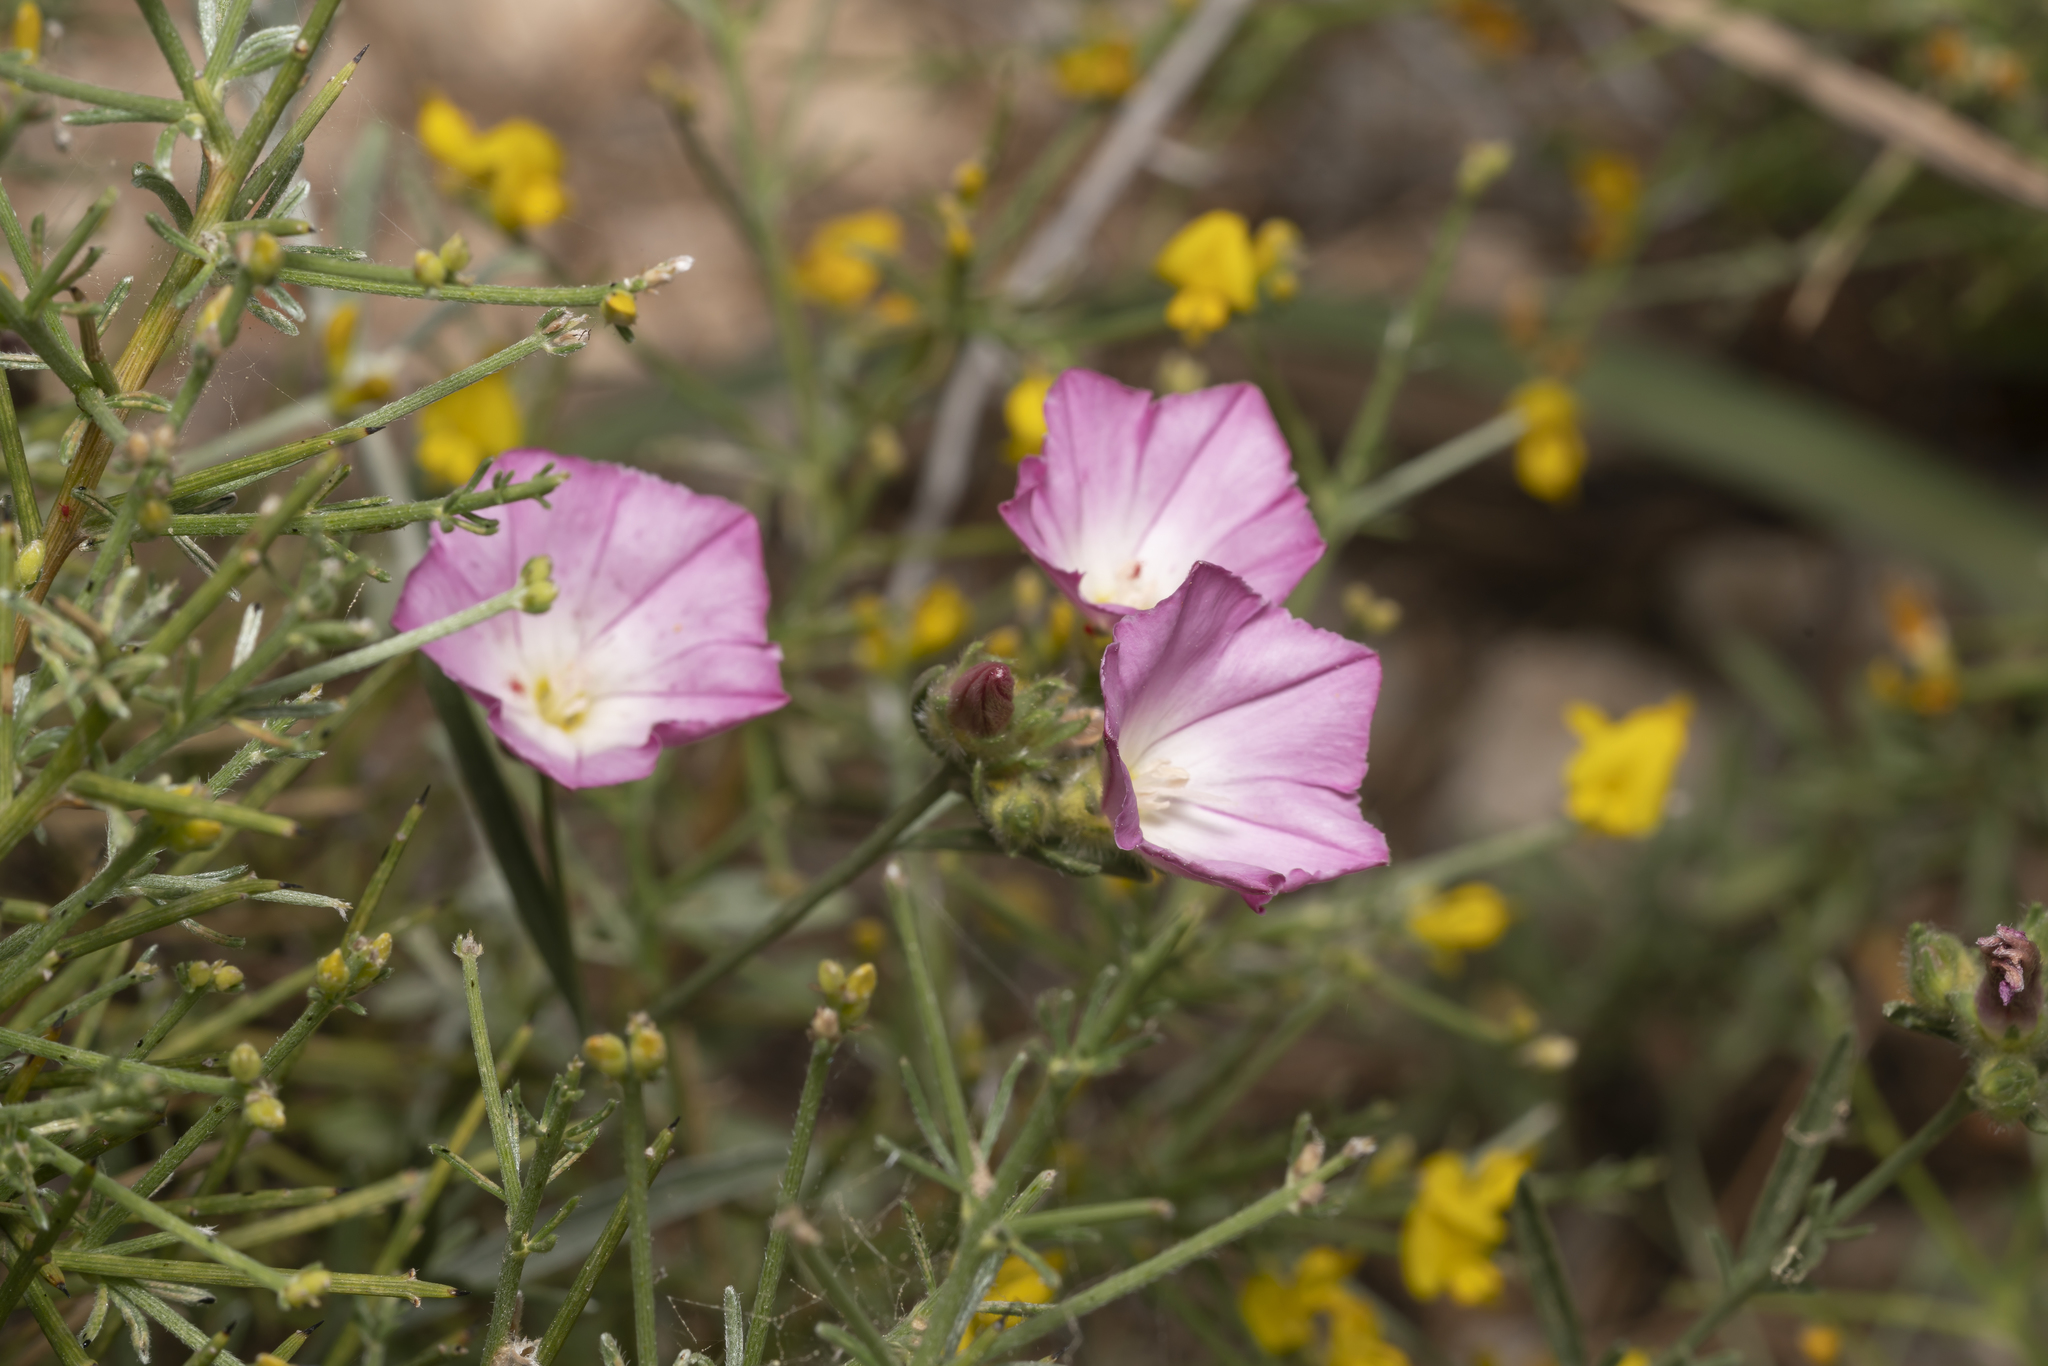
[2010,995]
[984,698]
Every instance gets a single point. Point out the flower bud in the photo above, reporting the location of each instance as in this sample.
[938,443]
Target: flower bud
[825,1023]
[607,1053]
[263,1110]
[262,256]
[660,273]
[29,563]
[645,1045]
[331,976]
[307,1286]
[860,989]
[536,576]
[970,178]
[1018,813]
[245,1064]
[454,254]
[192,834]
[1549,1052]
[196,976]
[2009,997]
[1938,966]
[620,310]
[983,700]
[1482,164]
[831,979]
[155,517]
[226,977]
[210,318]
[2005,1085]
[372,956]
[428,270]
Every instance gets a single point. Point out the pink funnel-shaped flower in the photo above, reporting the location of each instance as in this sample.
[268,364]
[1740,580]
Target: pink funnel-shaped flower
[657,638]
[1132,490]
[1237,738]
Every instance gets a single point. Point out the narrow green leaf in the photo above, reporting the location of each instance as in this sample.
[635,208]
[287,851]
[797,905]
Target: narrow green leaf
[1547,1284]
[540,910]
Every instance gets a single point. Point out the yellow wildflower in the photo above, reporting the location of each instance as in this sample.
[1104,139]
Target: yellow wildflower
[1005,642]
[517,164]
[467,428]
[1059,628]
[1635,1356]
[1465,919]
[1924,676]
[1024,414]
[896,309]
[970,178]
[1496,29]
[1610,193]
[1820,1343]
[1099,70]
[1016,1282]
[958,231]
[351,381]
[940,618]
[1449,1233]
[28,29]
[1211,264]
[840,264]
[1550,456]
[1283,1315]
[1617,782]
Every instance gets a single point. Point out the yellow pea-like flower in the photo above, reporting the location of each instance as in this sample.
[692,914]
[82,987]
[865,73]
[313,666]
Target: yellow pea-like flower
[1619,780]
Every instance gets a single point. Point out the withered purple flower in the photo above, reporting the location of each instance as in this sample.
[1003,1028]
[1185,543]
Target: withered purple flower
[2011,991]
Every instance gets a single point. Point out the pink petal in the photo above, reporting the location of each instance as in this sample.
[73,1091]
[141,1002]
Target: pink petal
[1132,491]
[659,628]
[1237,739]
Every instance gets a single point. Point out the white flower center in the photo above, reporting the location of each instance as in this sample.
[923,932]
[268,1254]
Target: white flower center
[1128,585]
[1155,783]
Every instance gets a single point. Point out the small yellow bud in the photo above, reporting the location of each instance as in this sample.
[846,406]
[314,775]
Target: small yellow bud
[1483,163]
[263,1111]
[454,254]
[210,317]
[607,1053]
[869,936]
[537,577]
[428,269]
[645,1043]
[620,310]
[374,954]
[245,1064]
[306,1287]
[1549,1052]
[190,835]
[29,563]
[196,976]
[831,978]
[28,29]
[970,178]
[885,452]
[332,974]
[226,977]
[155,517]
[825,1023]
[1820,1343]
[263,258]
[860,987]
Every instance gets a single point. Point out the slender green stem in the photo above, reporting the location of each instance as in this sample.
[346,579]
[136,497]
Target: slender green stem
[841,1296]
[28,514]
[787,916]
[515,597]
[1899,1159]
[788,1195]
[24,1268]
[1412,477]
[148,1211]
[1113,1288]
[33,76]
[564,1321]
[633,1135]
[503,1139]
[1086,1216]
[931,1019]
[1368,430]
